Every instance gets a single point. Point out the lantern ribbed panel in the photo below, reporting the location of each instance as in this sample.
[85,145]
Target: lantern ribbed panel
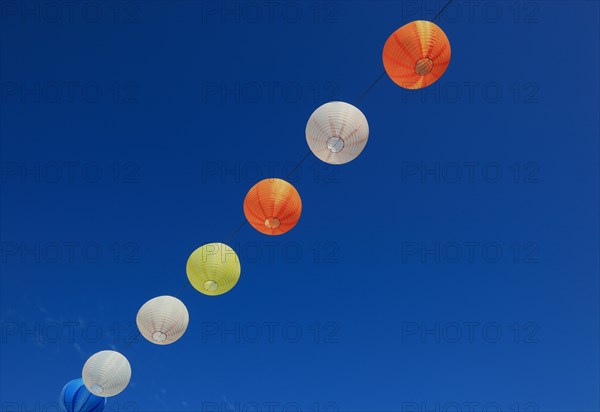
[106,373]
[273,206]
[416,55]
[213,269]
[332,122]
[163,320]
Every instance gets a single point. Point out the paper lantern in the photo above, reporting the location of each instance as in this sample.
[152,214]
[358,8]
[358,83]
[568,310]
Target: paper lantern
[163,320]
[416,55]
[106,373]
[273,206]
[337,132]
[76,398]
[213,269]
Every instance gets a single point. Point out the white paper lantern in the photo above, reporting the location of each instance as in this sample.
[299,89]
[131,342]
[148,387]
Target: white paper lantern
[163,320]
[337,132]
[106,373]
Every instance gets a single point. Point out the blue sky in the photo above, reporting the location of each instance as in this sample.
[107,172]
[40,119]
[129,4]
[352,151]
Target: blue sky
[455,262]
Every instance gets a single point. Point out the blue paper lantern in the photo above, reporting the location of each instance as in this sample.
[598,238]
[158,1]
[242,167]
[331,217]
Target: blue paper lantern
[76,398]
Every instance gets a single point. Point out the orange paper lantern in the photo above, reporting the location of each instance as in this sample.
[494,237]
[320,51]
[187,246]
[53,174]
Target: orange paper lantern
[273,206]
[416,55]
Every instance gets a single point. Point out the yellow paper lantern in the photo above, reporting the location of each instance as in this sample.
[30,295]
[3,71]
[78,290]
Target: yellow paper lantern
[213,269]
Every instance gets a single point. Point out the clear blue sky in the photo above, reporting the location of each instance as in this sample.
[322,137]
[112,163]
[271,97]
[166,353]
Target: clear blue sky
[130,136]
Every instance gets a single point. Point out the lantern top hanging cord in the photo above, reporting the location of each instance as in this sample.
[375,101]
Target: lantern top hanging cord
[439,13]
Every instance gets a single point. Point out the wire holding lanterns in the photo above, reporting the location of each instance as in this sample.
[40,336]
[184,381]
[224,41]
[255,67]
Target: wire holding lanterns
[414,56]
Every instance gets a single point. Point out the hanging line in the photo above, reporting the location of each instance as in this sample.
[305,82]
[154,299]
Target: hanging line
[442,10]
[235,231]
[134,339]
[298,165]
[369,88]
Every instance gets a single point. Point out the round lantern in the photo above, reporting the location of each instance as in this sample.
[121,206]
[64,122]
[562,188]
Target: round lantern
[213,269]
[106,373]
[416,55]
[163,320]
[337,132]
[76,398]
[273,206]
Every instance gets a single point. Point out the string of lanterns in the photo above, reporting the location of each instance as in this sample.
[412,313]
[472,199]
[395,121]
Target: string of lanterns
[414,56]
